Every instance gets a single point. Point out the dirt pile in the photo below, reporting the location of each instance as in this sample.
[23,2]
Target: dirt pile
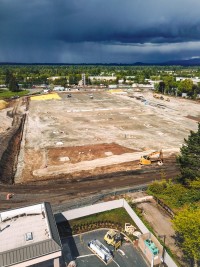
[3,104]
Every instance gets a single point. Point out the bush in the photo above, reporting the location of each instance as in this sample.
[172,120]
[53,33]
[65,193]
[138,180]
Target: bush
[157,187]
[175,195]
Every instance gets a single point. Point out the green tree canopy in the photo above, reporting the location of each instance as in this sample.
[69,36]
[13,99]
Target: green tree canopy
[13,85]
[11,81]
[169,83]
[187,225]
[189,158]
[7,77]
[185,86]
[74,79]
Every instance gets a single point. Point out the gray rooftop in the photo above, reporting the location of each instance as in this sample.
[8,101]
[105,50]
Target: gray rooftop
[27,233]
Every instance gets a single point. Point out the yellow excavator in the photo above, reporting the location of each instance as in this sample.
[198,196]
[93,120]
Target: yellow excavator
[149,159]
[113,238]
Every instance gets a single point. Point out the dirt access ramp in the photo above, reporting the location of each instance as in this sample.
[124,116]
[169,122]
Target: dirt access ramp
[161,223]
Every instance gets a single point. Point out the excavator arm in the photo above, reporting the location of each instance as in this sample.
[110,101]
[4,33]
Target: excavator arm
[149,159]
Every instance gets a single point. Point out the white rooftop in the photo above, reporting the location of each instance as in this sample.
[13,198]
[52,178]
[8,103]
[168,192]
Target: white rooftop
[24,223]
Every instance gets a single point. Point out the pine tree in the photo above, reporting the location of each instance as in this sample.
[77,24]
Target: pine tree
[7,77]
[189,159]
[11,82]
[13,85]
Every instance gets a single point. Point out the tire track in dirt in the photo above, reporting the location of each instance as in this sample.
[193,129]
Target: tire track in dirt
[62,191]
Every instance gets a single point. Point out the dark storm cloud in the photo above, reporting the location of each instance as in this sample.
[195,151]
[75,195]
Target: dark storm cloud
[64,30]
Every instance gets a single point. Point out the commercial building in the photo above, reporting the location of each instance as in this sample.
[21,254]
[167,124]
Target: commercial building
[29,236]
[195,80]
[102,78]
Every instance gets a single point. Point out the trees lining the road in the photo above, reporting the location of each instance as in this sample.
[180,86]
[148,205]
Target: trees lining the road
[169,86]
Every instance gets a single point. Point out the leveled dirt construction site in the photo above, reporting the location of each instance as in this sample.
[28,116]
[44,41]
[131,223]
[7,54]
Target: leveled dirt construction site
[70,147]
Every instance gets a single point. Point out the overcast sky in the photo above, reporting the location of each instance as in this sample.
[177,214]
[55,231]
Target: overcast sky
[99,31]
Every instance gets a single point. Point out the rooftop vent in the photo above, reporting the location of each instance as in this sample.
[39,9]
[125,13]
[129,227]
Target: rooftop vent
[29,236]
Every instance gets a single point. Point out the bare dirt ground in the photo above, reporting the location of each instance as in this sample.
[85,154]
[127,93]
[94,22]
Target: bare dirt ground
[61,135]
[5,123]
[83,184]
[79,146]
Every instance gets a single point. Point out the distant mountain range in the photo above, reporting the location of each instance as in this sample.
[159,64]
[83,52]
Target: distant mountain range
[187,62]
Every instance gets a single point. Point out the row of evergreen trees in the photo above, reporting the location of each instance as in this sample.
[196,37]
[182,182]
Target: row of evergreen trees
[11,82]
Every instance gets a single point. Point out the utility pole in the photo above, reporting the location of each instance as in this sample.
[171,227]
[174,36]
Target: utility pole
[163,251]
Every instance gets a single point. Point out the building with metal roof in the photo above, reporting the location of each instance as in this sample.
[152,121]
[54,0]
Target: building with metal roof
[29,236]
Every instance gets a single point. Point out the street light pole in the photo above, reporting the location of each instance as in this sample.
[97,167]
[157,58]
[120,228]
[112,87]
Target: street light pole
[163,251]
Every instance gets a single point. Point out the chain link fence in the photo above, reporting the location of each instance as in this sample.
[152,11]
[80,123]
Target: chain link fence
[93,199]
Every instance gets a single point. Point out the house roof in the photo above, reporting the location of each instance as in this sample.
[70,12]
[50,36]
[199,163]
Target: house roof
[27,233]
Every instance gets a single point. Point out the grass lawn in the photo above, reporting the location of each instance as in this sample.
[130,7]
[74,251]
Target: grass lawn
[4,94]
[116,216]
[113,219]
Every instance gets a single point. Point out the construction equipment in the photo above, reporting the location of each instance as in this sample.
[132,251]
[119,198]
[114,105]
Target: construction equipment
[149,159]
[113,238]
[156,96]
[161,97]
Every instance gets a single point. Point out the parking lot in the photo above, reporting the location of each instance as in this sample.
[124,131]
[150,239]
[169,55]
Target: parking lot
[77,248]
